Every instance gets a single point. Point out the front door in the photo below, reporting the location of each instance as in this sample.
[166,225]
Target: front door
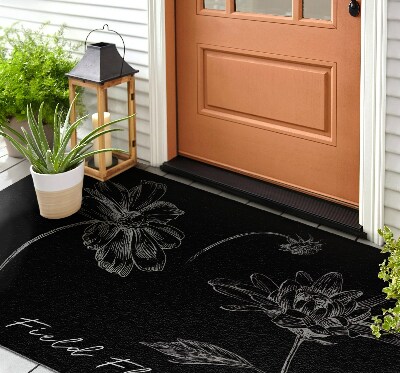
[270,89]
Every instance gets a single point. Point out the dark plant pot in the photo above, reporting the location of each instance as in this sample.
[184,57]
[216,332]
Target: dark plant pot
[16,125]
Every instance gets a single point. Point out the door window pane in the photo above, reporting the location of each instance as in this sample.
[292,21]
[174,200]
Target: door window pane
[274,7]
[317,9]
[215,4]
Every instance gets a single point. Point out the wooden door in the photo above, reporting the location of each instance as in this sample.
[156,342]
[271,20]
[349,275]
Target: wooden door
[270,89]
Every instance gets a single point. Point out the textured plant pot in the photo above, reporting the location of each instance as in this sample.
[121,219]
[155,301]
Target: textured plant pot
[16,125]
[59,195]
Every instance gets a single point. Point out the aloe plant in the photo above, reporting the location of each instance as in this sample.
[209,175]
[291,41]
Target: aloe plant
[56,159]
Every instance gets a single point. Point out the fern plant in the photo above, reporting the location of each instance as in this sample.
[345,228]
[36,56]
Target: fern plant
[56,159]
[33,65]
[389,321]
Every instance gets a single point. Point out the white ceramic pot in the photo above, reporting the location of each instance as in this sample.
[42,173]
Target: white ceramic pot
[59,195]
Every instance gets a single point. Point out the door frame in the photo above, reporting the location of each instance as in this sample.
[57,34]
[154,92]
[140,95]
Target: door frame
[163,112]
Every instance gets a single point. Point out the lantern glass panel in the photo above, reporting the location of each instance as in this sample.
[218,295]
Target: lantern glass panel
[89,101]
[118,108]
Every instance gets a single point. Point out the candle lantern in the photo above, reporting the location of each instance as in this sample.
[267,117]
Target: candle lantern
[101,68]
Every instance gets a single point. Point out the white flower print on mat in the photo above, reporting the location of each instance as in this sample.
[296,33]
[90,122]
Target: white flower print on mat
[132,226]
[301,246]
[127,228]
[314,311]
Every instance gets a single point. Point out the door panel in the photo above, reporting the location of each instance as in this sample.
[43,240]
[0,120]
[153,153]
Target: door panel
[274,81]
[272,97]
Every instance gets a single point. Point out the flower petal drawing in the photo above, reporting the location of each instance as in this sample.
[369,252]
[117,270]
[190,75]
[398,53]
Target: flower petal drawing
[97,236]
[132,226]
[104,201]
[329,284]
[160,212]
[115,257]
[148,255]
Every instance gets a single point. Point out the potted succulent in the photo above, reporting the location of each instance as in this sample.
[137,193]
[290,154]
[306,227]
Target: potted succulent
[32,70]
[57,171]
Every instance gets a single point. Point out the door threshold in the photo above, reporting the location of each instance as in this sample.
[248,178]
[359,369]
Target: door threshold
[307,207]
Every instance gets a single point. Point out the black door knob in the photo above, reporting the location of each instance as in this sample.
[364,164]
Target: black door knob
[354,8]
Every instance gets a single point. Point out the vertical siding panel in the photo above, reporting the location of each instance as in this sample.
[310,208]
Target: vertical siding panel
[129,18]
[392,177]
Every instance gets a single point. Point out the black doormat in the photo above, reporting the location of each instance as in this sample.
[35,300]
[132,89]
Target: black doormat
[153,275]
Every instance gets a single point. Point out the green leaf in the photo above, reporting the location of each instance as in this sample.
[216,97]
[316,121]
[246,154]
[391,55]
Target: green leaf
[49,163]
[86,155]
[32,145]
[89,138]
[34,129]
[41,135]
[389,271]
[56,130]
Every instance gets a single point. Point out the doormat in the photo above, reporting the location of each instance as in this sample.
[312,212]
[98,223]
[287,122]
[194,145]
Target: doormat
[156,276]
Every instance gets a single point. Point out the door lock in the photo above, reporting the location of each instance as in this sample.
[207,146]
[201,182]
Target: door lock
[354,8]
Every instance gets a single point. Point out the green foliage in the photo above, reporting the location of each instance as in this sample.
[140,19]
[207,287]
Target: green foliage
[389,321]
[32,70]
[45,160]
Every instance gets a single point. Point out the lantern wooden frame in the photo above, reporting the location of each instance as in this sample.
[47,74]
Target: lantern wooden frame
[125,161]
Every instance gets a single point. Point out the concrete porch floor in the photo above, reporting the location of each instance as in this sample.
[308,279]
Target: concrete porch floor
[14,169]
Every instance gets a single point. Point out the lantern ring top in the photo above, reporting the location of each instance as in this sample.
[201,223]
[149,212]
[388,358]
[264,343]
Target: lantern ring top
[108,29]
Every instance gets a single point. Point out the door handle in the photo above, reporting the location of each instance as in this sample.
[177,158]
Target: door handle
[354,8]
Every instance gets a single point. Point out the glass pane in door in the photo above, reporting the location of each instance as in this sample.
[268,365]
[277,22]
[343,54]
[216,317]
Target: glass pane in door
[274,7]
[215,4]
[317,9]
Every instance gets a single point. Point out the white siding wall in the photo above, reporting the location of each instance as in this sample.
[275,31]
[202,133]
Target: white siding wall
[130,19]
[392,184]
[127,17]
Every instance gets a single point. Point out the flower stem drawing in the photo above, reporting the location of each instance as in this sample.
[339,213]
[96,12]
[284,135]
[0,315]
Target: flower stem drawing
[297,246]
[297,342]
[37,238]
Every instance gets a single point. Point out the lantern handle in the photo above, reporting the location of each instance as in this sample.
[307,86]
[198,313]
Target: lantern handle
[108,29]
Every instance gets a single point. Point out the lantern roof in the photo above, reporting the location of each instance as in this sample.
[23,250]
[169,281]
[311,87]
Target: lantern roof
[101,63]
